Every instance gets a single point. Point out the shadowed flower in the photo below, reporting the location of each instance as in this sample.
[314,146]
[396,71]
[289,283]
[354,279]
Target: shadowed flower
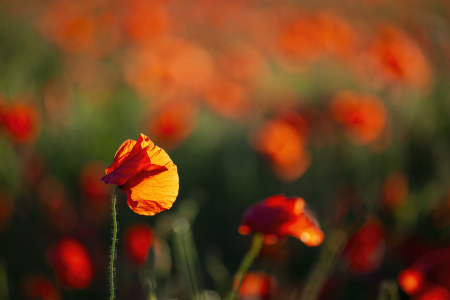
[365,249]
[72,263]
[363,116]
[395,189]
[146,174]
[38,287]
[138,240]
[278,216]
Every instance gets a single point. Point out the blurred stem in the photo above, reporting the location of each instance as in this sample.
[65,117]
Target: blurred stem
[113,247]
[324,265]
[388,291]
[247,262]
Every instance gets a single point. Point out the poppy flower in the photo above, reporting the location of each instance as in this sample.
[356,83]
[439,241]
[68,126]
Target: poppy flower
[365,249]
[395,189]
[283,141]
[72,263]
[256,285]
[93,188]
[21,122]
[146,174]
[38,287]
[278,216]
[363,116]
[138,240]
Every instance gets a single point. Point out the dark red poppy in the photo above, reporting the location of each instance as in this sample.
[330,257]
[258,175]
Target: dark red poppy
[365,248]
[89,175]
[278,216]
[138,240]
[38,287]
[72,263]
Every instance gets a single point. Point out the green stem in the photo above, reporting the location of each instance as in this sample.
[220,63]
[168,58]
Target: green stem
[247,262]
[113,247]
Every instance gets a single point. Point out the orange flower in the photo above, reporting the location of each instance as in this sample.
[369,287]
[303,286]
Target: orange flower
[279,216]
[256,285]
[283,140]
[363,116]
[146,174]
[410,281]
[395,189]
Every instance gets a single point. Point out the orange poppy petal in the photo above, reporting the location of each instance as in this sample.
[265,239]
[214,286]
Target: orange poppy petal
[129,168]
[149,193]
[121,155]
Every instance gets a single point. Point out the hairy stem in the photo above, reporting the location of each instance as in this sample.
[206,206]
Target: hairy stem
[247,263]
[113,247]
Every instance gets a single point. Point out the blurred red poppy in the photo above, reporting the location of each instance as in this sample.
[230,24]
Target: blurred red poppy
[89,175]
[410,281]
[138,240]
[396,59]
[395,189]
[283,140]
[21,121]
[278,216]
[146,174]
[363,116]
[38,287]
[256,285]
[365,248]
[173,123]
[72,263]
[6,209]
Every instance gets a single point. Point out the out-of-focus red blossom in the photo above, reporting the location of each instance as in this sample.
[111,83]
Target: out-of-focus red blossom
[52,195]
[363,116]
[365,248]
[138,240]
[436,293]
[6,209]
[396,59]
[80,26]
[428,276]
[21,122]
[92,187]
[227,98]
[165,68]
[72,263]
[278,216]
[395,189]
[173,123]
[283,140]
[410,281]
[145,20]
[310,37]
[256,285]
[38,287]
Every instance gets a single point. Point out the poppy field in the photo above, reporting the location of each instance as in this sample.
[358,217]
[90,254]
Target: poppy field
[214,149]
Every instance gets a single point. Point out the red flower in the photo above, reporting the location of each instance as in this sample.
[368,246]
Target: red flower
[146,174]
[365,249]
[38,287]
[278,216]
[256,286]
[72,263]
[21,122]
[138,240]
